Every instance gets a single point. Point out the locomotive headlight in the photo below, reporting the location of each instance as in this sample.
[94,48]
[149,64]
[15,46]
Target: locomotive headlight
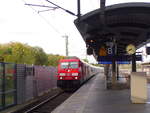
[74,74]
[61,78]
[76,78]
[62,74]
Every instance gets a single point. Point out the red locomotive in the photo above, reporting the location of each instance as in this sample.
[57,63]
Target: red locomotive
[72,72]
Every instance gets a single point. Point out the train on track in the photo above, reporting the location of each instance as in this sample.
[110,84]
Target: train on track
[31,82]
[73,72]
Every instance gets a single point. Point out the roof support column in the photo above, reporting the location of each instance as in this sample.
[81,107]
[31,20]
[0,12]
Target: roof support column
[114,65]
[106,70]
[113,73]
[102,14]
[102,4]
[117,71]
[133,63]
[79,10]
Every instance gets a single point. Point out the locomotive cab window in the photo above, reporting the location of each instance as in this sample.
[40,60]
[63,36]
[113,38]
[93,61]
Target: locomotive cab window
[73,65]
[64,65]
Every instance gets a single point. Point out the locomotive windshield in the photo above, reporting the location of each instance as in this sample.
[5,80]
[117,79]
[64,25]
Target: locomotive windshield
[71,65]
[64,65]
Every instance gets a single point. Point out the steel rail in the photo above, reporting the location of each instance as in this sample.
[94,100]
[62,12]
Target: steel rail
[44,102]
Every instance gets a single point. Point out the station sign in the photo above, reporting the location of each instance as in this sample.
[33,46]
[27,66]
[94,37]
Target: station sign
[118,58]
[105,51]
[118,62]
[123,62]
[102,51]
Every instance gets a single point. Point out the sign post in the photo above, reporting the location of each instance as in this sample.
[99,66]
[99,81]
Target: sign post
[109,51]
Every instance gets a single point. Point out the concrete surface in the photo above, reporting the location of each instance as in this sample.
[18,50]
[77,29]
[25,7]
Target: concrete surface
[94,98]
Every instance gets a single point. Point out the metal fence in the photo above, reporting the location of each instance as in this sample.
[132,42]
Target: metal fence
[45,79]
[20,83]
[7,85]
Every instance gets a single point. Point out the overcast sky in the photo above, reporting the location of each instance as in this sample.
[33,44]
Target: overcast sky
[22,23]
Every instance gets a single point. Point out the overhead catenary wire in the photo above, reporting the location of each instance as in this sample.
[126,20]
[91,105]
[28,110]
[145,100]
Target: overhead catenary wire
[61,8]
[55,29]
[45,10]
[52,8]
[45,19]
[42,6]
[45,6]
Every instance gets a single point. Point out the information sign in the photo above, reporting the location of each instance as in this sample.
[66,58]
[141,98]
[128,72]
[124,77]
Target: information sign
[118,58]
[102,51]
[118,62]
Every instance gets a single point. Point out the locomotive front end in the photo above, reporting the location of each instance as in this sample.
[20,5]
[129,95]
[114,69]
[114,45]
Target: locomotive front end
[68,73]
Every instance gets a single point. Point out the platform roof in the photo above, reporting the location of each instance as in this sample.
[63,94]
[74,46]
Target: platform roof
[127,23]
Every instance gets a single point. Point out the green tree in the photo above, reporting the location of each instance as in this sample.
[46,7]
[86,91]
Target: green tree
[21,53]
[40,56]
[24,54]
[17,52]
[54,59]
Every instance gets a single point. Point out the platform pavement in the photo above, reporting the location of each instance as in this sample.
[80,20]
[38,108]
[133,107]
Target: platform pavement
[94,98]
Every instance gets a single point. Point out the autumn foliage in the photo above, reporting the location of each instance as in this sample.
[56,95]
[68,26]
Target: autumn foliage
[19,53]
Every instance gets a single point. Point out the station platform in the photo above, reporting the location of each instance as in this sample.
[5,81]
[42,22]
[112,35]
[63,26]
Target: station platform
[92,97]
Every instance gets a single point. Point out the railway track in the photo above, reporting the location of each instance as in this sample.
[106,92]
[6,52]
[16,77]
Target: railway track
[48,104]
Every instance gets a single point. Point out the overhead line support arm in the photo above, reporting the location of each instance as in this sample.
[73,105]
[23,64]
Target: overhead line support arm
[61,8]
